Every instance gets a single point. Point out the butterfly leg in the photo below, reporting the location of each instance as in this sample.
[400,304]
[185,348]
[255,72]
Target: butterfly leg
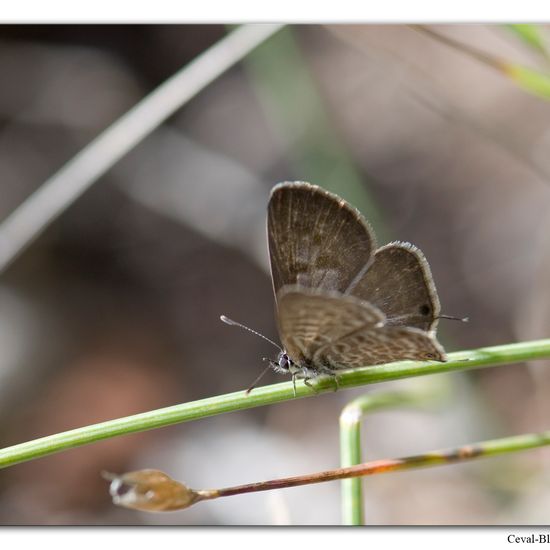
[307,379]
[334,378]
[294,383]
[330,372]
[310,385]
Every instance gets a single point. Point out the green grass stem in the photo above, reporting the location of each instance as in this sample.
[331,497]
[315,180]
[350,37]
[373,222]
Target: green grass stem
[267,395]
[351,452]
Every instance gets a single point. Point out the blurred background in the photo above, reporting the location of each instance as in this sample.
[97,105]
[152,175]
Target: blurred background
[115,308]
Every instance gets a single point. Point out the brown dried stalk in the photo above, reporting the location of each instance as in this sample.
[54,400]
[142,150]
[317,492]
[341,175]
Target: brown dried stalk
[155,491]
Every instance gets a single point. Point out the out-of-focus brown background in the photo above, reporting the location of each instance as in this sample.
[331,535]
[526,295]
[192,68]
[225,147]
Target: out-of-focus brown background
[115,309]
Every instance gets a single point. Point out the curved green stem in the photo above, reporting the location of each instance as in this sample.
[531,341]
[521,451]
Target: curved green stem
[458,361]
[350,441]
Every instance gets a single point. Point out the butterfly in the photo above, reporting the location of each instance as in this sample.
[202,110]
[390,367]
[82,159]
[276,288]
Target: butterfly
[341,302]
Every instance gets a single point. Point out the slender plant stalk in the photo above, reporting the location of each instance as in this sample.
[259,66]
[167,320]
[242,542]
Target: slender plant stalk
[433,458]
[350,455]
[458,361]
[530,80]
[153,490]
[57,193]
[533,36]
[350,441]
[460,46]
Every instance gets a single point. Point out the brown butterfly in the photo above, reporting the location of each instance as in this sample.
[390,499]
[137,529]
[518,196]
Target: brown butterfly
[343,303]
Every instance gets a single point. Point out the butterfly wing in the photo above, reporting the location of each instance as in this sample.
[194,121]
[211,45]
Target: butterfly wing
[340,305]
[399,283]
[374,346]
[310,319]
[316,239]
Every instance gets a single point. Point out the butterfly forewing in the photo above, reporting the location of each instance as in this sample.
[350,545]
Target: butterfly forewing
[313,319]
[316,239]
[399,283]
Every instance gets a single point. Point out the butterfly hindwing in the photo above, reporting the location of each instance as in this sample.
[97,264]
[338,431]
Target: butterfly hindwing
[374,346]
[310,319]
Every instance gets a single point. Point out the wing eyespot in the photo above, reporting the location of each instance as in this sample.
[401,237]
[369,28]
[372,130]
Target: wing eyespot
[425,309]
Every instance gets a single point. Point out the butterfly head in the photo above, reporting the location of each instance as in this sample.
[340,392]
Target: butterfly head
[284,364]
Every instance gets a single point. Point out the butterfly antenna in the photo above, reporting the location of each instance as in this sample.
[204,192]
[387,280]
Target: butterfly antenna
[229,321]
[463,319]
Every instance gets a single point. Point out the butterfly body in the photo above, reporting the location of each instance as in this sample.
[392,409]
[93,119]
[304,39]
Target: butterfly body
[303,368]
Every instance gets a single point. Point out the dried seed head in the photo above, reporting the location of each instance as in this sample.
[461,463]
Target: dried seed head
[150,490]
